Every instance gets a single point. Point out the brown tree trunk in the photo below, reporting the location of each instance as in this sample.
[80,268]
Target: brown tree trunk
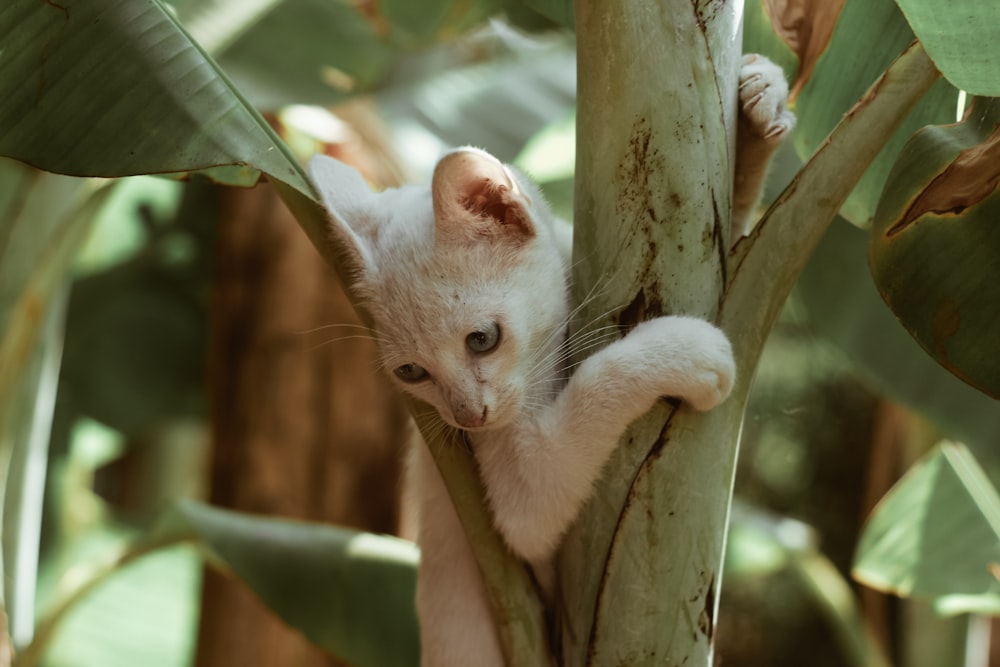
[304,424]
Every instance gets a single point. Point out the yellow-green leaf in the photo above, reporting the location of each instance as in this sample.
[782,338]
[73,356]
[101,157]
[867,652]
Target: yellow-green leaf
[936,533]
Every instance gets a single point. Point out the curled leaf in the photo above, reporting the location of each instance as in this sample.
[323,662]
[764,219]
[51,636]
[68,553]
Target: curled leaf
[970,178]
[935,241]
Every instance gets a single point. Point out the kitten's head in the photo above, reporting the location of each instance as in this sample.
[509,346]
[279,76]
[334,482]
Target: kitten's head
[464,281]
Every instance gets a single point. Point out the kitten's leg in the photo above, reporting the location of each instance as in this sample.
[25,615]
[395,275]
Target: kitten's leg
[538,478]
[456,622]
[762,126]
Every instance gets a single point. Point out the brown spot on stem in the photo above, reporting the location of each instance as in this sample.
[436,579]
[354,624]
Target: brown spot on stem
[706,619]
[641,308]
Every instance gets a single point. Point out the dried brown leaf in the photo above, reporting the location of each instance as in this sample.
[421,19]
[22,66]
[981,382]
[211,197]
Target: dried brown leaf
[971,177]
[806,26]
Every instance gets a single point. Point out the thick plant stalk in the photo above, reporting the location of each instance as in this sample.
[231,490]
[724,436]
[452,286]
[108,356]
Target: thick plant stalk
[765,265]
[655,116]
[641,571]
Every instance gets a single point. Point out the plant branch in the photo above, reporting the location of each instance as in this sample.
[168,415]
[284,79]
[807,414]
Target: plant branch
[764,266]
[517,609]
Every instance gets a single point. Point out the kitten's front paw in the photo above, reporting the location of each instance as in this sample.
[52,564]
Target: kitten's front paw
[713,368]
[763,96]
[690,357]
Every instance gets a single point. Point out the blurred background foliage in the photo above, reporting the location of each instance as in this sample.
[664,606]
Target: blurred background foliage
[122,390]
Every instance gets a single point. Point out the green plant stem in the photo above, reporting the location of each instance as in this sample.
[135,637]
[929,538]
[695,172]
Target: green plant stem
[765,265]
[657,83]
[837,604]
[516,604]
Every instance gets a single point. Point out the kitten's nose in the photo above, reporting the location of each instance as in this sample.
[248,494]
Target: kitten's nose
[466,417]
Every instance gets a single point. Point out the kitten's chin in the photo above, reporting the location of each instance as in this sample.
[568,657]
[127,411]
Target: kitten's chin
[489,425]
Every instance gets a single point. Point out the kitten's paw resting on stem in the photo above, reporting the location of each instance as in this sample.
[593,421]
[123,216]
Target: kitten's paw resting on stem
[688,358]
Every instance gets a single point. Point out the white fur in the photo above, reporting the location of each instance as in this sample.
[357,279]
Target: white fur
[435,264]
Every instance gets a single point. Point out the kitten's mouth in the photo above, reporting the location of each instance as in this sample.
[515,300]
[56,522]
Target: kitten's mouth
[497,414]
[491,423]
[484,422]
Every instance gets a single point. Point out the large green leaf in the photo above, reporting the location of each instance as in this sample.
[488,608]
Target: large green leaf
[961,37]
[869,34]
[322,51]
[115,88]
[317,51]
[937,532]
[43,221]
[842,306]
[935,242]
[348,592]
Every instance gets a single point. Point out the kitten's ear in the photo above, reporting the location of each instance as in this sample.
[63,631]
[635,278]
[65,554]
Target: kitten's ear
[476,196]
[349,202]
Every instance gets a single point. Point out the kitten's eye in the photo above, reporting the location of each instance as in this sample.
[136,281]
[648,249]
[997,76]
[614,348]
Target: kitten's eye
[410,373]
[485,340]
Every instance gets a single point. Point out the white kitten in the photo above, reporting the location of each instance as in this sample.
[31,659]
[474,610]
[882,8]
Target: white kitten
[467,286]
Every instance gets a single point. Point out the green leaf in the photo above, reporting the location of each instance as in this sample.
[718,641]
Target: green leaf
[347,591]
[937,531]
[43,221]
[961,38]
[869,34]
[935,240]
[420,23]
[560,11]
[116,88]
[318,51]
[842,306]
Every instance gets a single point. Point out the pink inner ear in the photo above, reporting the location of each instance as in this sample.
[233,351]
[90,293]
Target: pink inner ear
[489,199]
[474,195]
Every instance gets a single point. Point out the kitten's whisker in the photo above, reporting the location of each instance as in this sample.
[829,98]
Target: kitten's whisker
[578,345]
[340,339]
[345,325]
[563,326]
